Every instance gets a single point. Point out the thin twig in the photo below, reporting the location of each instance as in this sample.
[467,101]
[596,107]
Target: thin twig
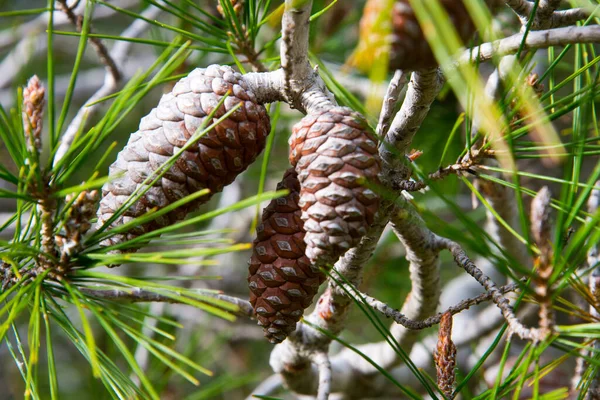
[321,359]
[105,58]
[267,387]
[118,55]
[522,8]
[463,261]
[390,101]
[422,90]
[541,230]
[534,40]
[403,320]
[568,17]
[303,88]
[546,15]
[543,16]
[139,295]
[31,40]
[36,26]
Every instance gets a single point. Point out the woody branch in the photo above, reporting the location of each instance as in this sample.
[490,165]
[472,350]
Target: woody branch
[293,358]
[115,59]
[294,355]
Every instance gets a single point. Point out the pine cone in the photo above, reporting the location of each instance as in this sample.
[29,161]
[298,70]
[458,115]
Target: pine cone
[282,281]
[410,49]
[335,155]
[212,162]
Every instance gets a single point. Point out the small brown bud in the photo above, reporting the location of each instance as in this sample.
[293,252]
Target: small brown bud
[445,356]
[237,7]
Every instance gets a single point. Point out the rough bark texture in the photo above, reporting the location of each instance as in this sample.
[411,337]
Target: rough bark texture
[282,281]
[211,162]
[336,158]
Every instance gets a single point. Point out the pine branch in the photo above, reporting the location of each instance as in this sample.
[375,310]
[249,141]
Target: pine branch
[534,40]
[402,319]
[105,57]
[422,90]
[324,367]
[118,56]
[391,98]
[463,261]
[140,295]
[522,8]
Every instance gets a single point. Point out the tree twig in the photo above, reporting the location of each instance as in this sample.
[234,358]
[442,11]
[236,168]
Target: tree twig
[13,34]
[534,40]
[541,230]
[390,100]
[105,58]
[302,86]
[118,55]
[463,261]
[139,295]
[424,86]
[522,8]
[267,387]
[402,319]
[321,359]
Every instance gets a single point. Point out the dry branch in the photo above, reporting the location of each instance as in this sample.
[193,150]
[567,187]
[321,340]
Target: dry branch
[390,101]
[139,295]
[463,261]
[118,56]
[98,45]
[534,40]
[408,323]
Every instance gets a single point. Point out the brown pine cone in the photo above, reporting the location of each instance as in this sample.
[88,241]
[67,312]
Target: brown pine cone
[282,281]
[212,162]
[335,154]
[410,49]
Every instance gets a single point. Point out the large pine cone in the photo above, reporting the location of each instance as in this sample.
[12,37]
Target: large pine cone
[212,162]
[409,48]
[335,155]
[282,281]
